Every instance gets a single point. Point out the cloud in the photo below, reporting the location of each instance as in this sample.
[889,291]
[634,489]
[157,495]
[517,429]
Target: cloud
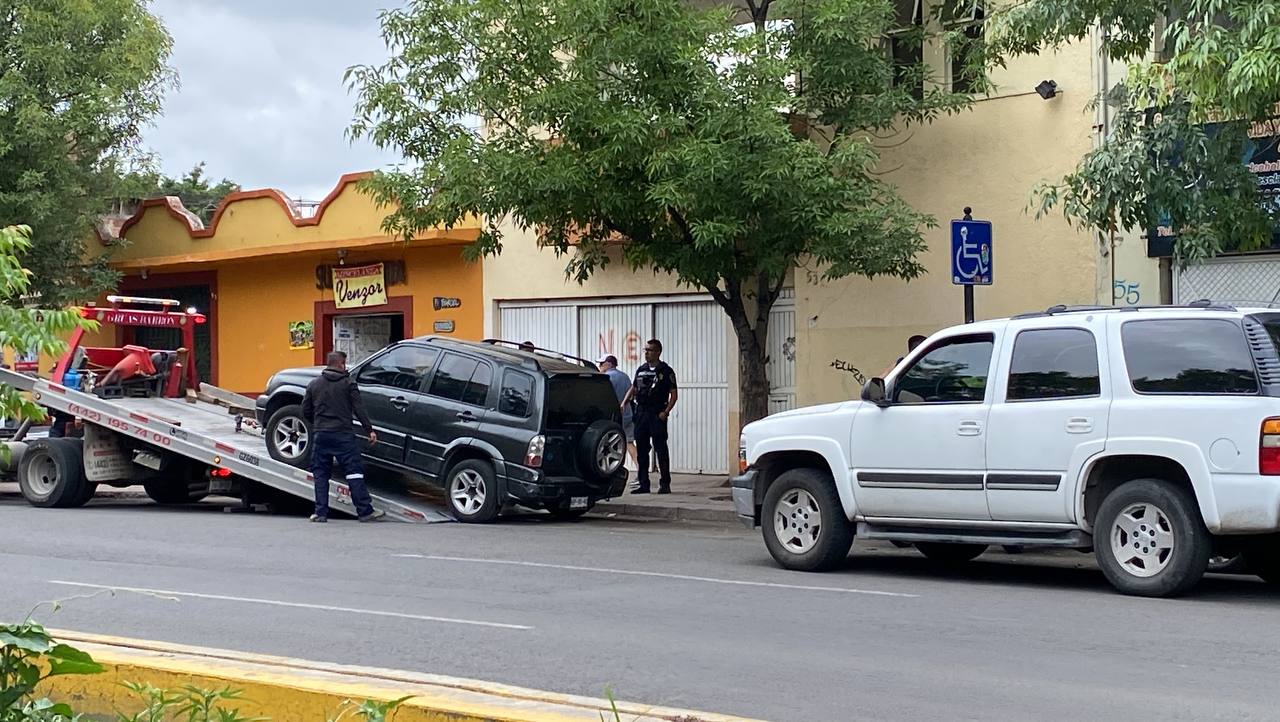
[261,97]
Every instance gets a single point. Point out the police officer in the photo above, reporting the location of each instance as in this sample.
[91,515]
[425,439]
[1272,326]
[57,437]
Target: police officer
[654,393]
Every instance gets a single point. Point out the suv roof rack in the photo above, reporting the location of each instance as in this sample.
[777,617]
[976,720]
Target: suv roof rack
[1202,304]
[530,348]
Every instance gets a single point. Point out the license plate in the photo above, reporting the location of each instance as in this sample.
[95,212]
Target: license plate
[578,502]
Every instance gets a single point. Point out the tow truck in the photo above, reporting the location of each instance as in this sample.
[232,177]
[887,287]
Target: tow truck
[143,417]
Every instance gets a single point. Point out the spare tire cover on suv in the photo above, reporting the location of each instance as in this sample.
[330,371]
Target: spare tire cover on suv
[602,450]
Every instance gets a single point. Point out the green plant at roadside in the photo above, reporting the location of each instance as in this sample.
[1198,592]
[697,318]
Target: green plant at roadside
[368,710]
[184,704]
[28,656]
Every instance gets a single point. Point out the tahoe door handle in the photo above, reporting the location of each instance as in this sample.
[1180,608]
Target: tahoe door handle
[969,428]
[400,403]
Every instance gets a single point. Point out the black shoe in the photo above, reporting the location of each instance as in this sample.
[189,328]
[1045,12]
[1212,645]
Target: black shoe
[664,490]
[639,490]
[319,519]
[373,515]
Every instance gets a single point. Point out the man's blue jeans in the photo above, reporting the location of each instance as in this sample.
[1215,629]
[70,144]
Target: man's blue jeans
[343,446]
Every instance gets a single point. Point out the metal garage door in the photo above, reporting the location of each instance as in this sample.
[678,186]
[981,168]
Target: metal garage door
[1230,280]
[694,337]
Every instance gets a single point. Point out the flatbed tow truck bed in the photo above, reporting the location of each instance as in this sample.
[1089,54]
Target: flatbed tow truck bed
[205,433]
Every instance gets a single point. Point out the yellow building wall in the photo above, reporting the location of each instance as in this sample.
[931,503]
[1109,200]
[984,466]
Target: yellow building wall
[257,302]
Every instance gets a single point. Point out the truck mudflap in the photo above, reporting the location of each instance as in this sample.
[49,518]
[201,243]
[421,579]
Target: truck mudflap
[206,434]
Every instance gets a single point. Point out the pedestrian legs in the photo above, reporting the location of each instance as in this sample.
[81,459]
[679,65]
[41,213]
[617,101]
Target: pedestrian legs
[321,468]
[349,456]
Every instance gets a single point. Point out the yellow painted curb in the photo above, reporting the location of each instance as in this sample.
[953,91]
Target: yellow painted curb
[294,690]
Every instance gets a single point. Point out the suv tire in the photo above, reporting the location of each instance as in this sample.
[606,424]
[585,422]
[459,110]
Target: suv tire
[602,450]
[1149,539]
[950,553]
[289,437]
[795,502]
[473,492]
[51,473]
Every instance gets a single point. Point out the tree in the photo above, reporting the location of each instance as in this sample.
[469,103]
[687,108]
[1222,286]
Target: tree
[78,80]
[1173,156]
[193,189]
[723,145]
[21,327]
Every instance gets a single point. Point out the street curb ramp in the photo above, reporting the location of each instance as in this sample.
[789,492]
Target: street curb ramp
[293,690]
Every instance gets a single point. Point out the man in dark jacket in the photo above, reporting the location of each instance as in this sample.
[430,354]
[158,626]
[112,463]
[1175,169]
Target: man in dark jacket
[330,404]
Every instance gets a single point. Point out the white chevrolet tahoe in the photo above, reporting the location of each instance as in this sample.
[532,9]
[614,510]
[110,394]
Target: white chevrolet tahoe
[1151,436]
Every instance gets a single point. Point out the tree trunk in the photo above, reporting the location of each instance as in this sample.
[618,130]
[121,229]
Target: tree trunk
[753,375]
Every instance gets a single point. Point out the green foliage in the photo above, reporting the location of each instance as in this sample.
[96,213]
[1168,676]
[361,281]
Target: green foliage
[78,80]
[722,153]
[28,656]
[368,710]
[197,193]
[1220,65]
[185,704]
[23,328]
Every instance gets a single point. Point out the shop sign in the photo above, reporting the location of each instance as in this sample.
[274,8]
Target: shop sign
[359,287]
[443,327]
[440,302]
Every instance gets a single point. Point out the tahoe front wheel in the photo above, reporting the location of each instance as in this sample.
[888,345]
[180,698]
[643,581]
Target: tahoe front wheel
[803,521]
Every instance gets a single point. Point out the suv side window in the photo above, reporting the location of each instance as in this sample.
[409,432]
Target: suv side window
[404,367]
[1188,356]
[451,379]
[1054,363]
[516,395]
[953,372]
[477,393]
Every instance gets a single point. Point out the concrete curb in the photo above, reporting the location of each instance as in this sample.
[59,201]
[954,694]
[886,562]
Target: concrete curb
[292,690]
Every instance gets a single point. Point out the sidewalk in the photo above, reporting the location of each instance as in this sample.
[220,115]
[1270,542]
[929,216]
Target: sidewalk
[693,497]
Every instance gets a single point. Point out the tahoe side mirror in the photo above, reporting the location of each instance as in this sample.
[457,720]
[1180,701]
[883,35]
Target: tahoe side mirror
[873,391]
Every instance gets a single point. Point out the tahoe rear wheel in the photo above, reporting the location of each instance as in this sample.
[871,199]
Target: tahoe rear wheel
[803,522]
[1149,539]
[289,437]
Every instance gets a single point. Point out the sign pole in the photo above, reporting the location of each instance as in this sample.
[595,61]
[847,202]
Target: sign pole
[968,288]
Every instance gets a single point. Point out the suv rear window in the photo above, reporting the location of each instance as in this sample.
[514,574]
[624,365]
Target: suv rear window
[574,401]
[1188,356]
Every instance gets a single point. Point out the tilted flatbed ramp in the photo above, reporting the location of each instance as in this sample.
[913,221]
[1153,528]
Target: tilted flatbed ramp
[205,433]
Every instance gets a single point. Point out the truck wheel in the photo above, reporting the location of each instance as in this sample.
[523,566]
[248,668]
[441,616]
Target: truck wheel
[51,473]
[1149,539]
[803,522]
[473,492]
[289,437]
[88,488]
[950,553]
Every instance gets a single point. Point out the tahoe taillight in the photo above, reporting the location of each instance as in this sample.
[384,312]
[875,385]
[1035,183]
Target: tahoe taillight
[536,448]
[1269,448]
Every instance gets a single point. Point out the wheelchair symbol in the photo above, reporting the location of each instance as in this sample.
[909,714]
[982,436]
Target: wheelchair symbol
[973,261]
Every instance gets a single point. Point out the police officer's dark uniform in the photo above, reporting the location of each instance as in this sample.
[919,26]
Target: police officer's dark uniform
[651,392]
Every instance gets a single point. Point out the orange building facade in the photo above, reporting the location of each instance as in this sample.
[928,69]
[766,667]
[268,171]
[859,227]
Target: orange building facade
[265,272]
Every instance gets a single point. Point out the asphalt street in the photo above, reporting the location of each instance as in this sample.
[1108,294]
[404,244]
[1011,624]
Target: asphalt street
[662,613]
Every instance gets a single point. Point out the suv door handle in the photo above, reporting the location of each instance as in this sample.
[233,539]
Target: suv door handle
[1079,425]
[400,403]
[969,428]
[466,416]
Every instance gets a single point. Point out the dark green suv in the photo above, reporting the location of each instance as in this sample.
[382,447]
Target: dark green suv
[487,421]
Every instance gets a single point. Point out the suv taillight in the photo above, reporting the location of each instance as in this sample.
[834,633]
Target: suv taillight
[536,447]
[1269,448]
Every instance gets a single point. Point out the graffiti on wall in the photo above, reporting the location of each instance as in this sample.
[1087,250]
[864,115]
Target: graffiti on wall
[842,365]
[628,347]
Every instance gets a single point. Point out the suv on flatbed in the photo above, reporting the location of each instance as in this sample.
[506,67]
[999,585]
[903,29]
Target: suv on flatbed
[491,425]
[1150,436]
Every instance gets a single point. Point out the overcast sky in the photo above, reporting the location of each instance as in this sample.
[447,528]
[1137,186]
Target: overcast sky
[262,99]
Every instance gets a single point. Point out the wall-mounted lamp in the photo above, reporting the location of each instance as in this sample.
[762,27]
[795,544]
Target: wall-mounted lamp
[1047,89]
[342,257]
[144,274]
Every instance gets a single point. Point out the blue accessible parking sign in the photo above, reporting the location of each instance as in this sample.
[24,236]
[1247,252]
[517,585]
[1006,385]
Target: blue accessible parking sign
[971,253]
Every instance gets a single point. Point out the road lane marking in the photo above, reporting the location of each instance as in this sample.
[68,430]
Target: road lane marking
[296,605]
[663,575]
